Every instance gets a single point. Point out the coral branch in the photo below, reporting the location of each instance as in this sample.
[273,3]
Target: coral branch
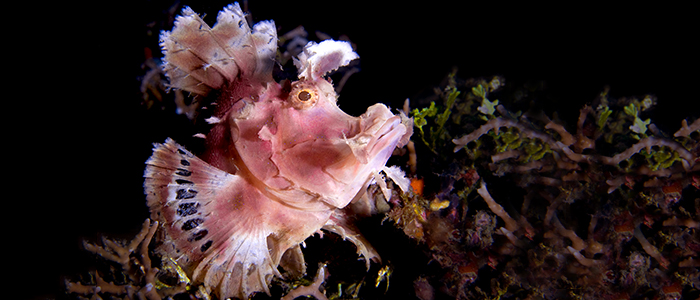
[649,248]
[593,246]
[496,124]
[647,143]
[588,262]
[582,141]
[566,138]
[688,159]
[687,130]
[511,224]
[310,290]
[674,221]
[136,267]
[577,243]
[511,237]
[689,262]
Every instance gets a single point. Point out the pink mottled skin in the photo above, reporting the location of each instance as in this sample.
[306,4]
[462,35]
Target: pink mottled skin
[242,152]
[269,141]
[282,160]
[218,140]
[285,225]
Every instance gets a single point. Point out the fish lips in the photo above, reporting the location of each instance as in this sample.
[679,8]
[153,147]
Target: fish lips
[381,132]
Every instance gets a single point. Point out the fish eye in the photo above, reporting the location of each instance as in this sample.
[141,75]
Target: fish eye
[304,95]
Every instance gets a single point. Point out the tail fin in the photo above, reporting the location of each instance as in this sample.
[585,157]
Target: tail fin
[199,58]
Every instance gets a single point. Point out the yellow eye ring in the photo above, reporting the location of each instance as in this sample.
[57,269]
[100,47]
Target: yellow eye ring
[303,97]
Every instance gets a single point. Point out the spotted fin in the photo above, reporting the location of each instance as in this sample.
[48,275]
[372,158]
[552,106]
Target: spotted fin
[199,58]
[211,220]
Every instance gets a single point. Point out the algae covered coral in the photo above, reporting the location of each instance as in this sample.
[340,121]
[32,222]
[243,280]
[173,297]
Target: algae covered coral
[606,208]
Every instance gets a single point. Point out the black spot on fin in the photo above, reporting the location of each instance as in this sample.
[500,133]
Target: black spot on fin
[185,194]
[198,235]
[190,224]
[183,181]
[206,246]
[183,172]
[186,209]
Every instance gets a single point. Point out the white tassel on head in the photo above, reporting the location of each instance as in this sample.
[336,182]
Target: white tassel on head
[319,59]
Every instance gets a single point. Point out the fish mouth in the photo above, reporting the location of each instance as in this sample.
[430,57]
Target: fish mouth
[381,131]
[389,134]
[367,152]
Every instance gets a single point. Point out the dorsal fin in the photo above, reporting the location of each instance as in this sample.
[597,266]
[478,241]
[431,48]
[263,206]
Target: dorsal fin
[199,58]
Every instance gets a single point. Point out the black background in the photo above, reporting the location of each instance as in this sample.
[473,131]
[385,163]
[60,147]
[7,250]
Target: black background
[83,136]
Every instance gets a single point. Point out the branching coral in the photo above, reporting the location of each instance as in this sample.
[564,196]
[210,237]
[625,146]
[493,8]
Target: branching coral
[310,290]
[608,210]
[137,278]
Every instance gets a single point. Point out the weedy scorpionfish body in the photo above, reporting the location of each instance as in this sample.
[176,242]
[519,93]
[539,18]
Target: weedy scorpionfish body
[281,162]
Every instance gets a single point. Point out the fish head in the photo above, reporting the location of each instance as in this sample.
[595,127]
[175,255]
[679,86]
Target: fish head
[309,144]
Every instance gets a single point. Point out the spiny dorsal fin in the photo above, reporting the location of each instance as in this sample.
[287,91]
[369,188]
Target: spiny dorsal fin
[199,58]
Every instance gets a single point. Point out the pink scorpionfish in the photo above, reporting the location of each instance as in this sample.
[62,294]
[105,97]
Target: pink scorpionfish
[281,163]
